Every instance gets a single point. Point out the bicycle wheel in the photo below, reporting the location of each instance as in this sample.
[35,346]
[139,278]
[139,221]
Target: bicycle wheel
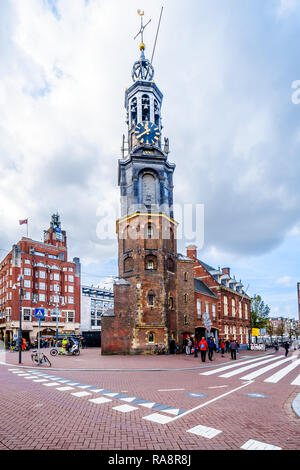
[77,352]
[54,352]
[46,361]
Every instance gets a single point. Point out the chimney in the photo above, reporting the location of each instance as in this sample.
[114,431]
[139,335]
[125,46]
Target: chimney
[191,251]
[226,271]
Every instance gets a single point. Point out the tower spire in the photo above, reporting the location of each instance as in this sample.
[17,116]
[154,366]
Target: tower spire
[142,68]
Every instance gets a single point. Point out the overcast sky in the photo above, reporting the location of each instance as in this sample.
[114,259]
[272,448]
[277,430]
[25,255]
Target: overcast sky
[226,70]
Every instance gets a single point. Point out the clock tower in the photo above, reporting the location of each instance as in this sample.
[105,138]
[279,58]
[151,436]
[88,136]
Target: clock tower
[146,305]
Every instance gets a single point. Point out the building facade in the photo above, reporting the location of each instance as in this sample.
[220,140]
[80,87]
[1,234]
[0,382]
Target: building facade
[95,302]
[49,281]
[149,308]
[223,298]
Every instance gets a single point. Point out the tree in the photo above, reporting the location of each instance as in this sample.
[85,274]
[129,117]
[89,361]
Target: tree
[270,329]
[259,312]
[280,330]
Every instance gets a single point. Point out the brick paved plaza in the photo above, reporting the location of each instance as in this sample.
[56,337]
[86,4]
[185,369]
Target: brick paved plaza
[150,402]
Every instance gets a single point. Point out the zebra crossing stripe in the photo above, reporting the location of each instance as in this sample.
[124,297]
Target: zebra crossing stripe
[231,366]
[259,372]
[251,366]
[282,373]
[257,445]
[204,431]
[296,381]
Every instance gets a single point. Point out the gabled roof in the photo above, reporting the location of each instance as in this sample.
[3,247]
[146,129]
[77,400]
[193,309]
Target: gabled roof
[202,288]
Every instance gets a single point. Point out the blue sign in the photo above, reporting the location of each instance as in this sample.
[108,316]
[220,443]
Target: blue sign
[39,313]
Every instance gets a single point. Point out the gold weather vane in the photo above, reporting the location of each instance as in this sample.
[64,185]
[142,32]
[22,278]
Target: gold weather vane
[141,31]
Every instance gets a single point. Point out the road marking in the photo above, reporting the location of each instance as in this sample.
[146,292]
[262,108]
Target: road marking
[204,404]
[147,405]
[41,380]
[296,381]
[157,418]
[99,400]
[282,373]
[125,408]
[128,399]
[84,386]
[219,386]
[257,445]
[63,389]
[30,378]
[170,389]
[259,372]
[172,411]
[204,431]
[51,384]
[96,390]
[231,366]
[81,394]
[251,366]
[111,394]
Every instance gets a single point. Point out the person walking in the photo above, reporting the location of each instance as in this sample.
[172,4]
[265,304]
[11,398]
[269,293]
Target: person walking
[222,346]
[227,346]
[196,347]
[203,348]
[211,347]
[286,347]
[188,347]
[233,348]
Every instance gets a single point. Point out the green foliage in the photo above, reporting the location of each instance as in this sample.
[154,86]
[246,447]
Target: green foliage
[259,312]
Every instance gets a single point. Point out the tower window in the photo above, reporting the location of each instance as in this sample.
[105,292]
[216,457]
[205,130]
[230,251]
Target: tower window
[145,108]
[185,276]
[151,262]
[171,303]
[185,298]
[133,112]
[151,299]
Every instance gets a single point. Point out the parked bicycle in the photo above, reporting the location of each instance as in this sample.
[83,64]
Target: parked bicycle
[160,349]
[39,359]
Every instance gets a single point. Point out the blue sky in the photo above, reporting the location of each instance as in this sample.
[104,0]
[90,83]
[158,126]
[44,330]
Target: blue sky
[226,70]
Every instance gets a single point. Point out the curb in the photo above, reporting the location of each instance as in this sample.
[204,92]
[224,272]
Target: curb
[296,405]
[124,370]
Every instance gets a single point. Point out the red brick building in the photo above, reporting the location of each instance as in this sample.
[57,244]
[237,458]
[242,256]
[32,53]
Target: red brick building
[223,298]
[48,279]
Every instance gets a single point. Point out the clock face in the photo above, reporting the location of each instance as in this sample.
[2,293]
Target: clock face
[147,133]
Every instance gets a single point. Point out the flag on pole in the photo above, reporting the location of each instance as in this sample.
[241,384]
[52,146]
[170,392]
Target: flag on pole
[22,222]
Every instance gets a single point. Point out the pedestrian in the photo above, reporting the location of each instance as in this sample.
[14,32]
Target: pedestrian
[196,347]
[237,347]
[233,348]
[286,347]
[188,347]
[222,346]
[227,345]
[23,344]
[172,346]
[211,347]
[203,348]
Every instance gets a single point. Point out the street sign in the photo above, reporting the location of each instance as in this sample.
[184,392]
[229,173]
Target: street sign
[39,313]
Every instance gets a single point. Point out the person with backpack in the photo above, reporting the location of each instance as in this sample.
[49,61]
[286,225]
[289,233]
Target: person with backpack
[203,348]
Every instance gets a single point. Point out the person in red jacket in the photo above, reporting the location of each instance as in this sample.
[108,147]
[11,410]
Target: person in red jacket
[203,348]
